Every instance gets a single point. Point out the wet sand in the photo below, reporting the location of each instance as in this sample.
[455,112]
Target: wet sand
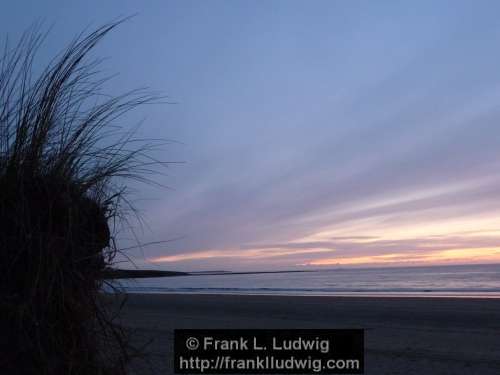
[423,336]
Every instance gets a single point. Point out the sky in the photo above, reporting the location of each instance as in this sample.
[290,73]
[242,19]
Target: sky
[312,134]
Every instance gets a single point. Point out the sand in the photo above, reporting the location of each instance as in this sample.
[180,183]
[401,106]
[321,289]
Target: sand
[423,336]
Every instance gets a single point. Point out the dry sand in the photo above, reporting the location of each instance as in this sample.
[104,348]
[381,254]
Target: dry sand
[423,336]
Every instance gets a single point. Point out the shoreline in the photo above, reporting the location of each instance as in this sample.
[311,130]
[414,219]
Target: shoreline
[409,335]
[418,295]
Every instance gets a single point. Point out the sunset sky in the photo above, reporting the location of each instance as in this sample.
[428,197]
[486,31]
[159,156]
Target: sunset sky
[313,133]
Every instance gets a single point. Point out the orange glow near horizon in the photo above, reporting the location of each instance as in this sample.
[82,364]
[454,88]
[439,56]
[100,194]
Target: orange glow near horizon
[463,255]
[474,255]
[407,238]
[233,254]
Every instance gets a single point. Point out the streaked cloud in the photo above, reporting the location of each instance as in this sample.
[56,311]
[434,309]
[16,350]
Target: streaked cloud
[313,134]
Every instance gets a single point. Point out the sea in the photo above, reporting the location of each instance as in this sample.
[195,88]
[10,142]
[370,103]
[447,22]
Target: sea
[465,281]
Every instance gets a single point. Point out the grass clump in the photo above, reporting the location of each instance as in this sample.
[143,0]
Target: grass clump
[63,159]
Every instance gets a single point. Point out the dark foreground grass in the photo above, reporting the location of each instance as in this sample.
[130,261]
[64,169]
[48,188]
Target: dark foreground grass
[63,163]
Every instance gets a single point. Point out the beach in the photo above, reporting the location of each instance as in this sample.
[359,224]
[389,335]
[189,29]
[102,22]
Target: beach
[424,336]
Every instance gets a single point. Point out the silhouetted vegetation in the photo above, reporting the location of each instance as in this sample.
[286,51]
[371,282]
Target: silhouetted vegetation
[63,161]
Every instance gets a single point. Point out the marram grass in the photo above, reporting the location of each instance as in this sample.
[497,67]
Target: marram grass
[63,162]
